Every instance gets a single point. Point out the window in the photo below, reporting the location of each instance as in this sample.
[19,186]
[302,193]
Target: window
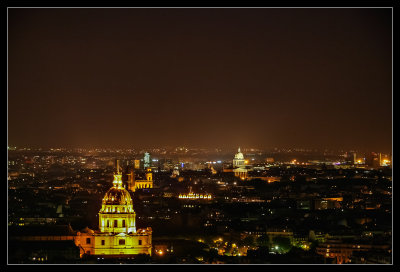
[108,223]
[121,242]
[140,242]
[123,223]
[103,242]
[87,240]
[115,223]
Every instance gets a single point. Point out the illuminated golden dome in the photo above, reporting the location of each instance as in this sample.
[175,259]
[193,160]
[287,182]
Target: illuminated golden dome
[116,214]
[239,155]
[117,196]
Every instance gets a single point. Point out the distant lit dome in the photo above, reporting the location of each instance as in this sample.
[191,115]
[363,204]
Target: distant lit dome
[239,155]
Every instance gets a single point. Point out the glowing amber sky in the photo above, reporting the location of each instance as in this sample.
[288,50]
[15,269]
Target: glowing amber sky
[203,77]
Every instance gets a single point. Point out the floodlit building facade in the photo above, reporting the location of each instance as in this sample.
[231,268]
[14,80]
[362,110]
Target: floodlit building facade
[146,183]
[117,235]
[239,165]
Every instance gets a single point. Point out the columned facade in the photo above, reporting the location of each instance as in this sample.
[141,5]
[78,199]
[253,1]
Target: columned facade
[239,165]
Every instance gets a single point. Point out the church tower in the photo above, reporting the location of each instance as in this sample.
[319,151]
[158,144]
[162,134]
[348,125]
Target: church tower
[149,175]
[131,180]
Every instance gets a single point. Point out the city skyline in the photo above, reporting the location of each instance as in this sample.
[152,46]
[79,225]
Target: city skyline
[246,208]
[181,148]
[312,78]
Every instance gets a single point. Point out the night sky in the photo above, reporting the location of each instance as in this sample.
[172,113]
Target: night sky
[314,78]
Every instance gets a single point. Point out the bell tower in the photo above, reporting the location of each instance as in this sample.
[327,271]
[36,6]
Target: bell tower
[149,175]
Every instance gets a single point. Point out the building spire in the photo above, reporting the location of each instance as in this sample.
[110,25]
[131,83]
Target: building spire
[239,149]
[117,177]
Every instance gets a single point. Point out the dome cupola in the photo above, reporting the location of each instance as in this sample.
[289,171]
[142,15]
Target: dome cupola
[239,155]
[117,213]
[117,196]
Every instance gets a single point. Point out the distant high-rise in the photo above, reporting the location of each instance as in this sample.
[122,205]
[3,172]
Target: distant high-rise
[146,160]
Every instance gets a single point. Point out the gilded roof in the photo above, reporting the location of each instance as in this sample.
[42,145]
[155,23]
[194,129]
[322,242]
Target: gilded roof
[117,196]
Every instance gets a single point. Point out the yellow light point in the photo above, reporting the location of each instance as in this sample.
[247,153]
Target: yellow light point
[385,162]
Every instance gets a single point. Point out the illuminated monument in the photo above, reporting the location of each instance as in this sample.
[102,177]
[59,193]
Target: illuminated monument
[239,165]
[192,195]
[117,235]
[144,184]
